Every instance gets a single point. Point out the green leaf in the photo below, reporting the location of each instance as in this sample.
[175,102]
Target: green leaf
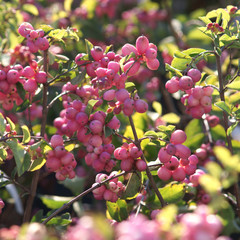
[172,192]
[30,8]
[23,106]
[173,70]
[107,131]
[89,46]
[133,186]
[157,107]
[224,107]
[118,210]
[234,85]
[37,164]
[218,132]
[46,28]
[195,141]
[2,124]
[212,188]
[166,129]
[108,48]
[130,86]
[76,185]
[69,33]
[57,34]
[230,162]
[180,63]
[171,118]
[11,123]
[78,79]
[60,221]
[34,146]
[3,154]
[26,134]
[21,156]
[193,52]
[70,147]
[54,202]
[21,91]
[231,128]
[109,117]
[38,216]
[151,134]
[90,105]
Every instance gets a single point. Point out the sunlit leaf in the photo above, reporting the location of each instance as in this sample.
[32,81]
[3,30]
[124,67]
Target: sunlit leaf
[118,210]
[54,202]
[26,134]
[37,164]
[30,8]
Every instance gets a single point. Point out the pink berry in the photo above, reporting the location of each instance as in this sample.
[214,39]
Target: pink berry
[179,174]
[172,85]
[142,44]
[56,140]
[182,151]
[151,53]
[13,76]
[164,174]
[42,43]
[171,149]
[114,123]
[82,118]
[97,53]
[127,49]
[195,74]
[153,64]
[131,68]
[141,165]
[185,83]
[96,126]
[140,106]
[163,156]
[30,85]
[122,95]
[25,28]
[109,95]
[178,137]
[3,75]
[41,77]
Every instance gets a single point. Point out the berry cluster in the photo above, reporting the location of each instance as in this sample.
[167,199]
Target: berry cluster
[35,38]
[33,75]
[144,52]
[200,223]
[198,100]
[59,160]
[205,153]
[124,102]
[130,157]
[215,27]
[109,191]
[177,159]
[213,120]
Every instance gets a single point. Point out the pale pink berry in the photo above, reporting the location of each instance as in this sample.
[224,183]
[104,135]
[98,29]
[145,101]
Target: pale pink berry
[82,118]
[30,85]
[96,126]
[153,64]
[142,44]
[114,123]
[122,95]
[97,53]
[53,164]
[127,49]
[42,43]
[131,68]
[13,76]
[185,83]
[182,151]
[3,75]
[172,164]
[179,174]
[140,106]
[32,46]
[60,151]
[141,165]
[208,91]
[197,112]
[109,95]
[195,74]
[78,59]
[25,28]
[172,85]
[163,156]
[67,158]
[213,120]
[197,92]
[178,137]
[28,72]
[193,159]
[151,53]
[114,66]
[190,169]
[126,165]
[164,174]
[41,77]
[192,102]
[95,140]
[107,195]
[56,140]
[171,149]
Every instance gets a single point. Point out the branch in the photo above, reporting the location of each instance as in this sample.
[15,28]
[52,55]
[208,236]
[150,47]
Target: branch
[150,177]
[67,205]
[225,121]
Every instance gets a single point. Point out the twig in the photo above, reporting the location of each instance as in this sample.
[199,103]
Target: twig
[67,205]
[57,97]
[225,121]
[28,210]
[150,177]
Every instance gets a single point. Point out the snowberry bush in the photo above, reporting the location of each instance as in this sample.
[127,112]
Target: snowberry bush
[140,130]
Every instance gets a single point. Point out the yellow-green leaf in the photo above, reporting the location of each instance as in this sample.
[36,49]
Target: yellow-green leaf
[26,134]
[171,118]
[30,8]
[37,164]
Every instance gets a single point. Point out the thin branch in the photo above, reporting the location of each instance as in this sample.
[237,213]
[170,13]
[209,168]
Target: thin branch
[225,121]
[56,98]
[150,177]
[67,205]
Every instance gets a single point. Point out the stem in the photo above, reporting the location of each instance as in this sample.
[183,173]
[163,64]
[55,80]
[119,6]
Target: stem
[150,177]
[225,121]
[27,213]
[57,97]
[67,205]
